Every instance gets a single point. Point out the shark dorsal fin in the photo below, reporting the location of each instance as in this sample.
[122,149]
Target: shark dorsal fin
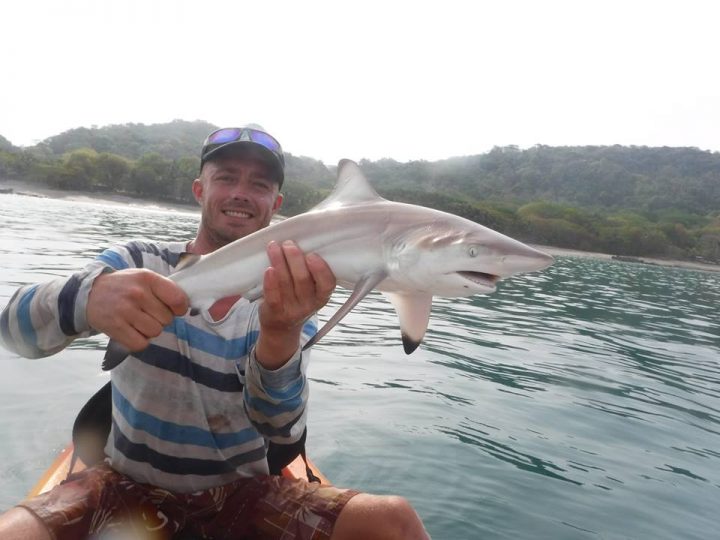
[352,188]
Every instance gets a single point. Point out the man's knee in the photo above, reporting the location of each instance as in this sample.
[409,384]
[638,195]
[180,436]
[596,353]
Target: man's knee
[378,517]
[20,524]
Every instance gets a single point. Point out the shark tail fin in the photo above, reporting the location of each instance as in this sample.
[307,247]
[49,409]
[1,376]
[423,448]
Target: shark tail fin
[114,355]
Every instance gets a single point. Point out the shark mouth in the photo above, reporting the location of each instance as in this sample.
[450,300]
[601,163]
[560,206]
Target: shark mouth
[480,278]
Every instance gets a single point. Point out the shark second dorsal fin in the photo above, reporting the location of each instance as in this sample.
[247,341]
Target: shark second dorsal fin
[351,188]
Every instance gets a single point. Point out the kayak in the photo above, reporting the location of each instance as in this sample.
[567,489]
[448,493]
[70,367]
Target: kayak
[60,469]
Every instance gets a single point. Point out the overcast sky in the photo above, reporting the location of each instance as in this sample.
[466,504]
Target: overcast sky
[366,79]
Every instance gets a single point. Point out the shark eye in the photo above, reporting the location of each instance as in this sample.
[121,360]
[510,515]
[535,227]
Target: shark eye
[473,251]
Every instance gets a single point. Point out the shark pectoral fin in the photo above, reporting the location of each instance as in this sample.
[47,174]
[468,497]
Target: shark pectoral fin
[362,288]
[413,310]
[114,354]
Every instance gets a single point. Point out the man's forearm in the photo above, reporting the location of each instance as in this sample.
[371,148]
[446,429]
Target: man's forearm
[274,349]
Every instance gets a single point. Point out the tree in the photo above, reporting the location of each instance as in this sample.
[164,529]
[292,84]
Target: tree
[152,175]
[5,145]
[112,172]
[79,170]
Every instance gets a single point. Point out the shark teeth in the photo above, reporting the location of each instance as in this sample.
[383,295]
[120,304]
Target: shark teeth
[481,278]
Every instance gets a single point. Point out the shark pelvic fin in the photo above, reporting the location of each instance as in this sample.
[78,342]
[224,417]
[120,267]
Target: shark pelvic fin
[352,188]
[413,311]
[114,354]
[362,288]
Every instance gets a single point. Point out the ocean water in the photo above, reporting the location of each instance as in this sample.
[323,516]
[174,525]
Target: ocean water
[580,402]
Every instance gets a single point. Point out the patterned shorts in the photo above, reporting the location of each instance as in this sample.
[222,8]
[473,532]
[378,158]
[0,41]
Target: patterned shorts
[102,503]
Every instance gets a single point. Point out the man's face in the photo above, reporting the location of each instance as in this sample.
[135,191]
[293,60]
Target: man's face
[238,196]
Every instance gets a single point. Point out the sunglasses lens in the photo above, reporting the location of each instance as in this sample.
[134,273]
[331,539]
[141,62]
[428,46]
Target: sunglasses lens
[266,140]
[229,135]
[223,135]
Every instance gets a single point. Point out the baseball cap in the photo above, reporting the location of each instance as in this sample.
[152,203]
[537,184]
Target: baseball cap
[252,137]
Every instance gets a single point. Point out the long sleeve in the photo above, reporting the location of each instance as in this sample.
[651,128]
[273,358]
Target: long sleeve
[276,400]
[44,318]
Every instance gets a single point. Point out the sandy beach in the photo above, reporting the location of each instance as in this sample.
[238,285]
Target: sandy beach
[34,190]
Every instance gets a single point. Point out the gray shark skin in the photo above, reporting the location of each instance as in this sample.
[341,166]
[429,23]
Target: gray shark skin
[410,253]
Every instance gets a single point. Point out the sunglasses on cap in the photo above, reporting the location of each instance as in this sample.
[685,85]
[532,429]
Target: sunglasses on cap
[221,137]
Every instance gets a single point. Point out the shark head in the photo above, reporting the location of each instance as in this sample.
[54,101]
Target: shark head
[425,253]
[452,256]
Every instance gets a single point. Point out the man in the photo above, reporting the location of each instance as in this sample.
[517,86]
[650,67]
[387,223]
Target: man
[195,402]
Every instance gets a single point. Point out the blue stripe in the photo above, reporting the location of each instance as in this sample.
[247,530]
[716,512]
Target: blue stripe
[284,394]
[178,433]
[310,328]
[113,259]
[24,319]
[183,466]
[211,343]
[170,360]
[273,409]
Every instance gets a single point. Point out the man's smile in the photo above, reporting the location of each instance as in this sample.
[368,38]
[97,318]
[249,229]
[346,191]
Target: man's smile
[237,213]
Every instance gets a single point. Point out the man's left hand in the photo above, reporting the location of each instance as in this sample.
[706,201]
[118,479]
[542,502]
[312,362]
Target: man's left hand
[294,287]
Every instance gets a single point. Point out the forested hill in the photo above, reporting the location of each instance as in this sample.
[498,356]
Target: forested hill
[625,200]
[173,140]
[588,176]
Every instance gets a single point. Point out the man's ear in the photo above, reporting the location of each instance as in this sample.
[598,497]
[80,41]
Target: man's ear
[197,189]
[278,203]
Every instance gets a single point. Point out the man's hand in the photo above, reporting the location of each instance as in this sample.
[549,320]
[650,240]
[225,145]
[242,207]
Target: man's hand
[131,306]
[294,287]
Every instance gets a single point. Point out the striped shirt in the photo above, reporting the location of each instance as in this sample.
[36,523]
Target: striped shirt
[194,409]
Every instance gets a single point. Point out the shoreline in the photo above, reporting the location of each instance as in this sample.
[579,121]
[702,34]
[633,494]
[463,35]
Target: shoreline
[650,261]
[27,189]
[18,187]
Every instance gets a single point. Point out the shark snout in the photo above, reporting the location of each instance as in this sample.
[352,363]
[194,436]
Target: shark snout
[522,259]
[511,257]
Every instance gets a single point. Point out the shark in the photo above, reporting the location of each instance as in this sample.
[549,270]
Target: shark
[407,252]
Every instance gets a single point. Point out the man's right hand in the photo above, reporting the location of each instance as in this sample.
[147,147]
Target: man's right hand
[134,305]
